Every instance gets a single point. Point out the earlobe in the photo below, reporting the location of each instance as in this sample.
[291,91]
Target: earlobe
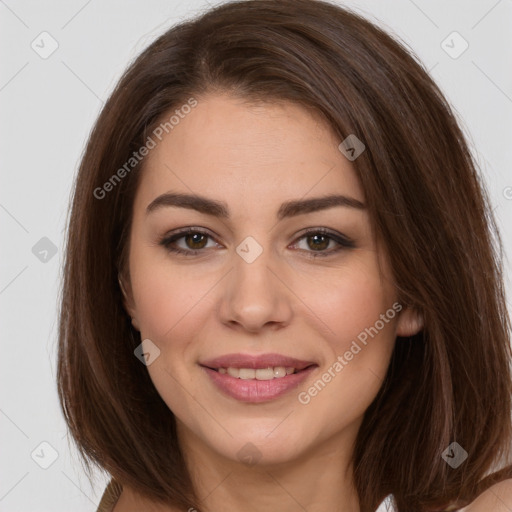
[128,302]
[410,322]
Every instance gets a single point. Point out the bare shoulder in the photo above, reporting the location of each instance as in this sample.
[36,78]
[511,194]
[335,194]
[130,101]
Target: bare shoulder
[497,498]
[131,502]
[125,502]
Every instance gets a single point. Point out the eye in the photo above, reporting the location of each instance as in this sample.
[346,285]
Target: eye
[194,240]
[319,239]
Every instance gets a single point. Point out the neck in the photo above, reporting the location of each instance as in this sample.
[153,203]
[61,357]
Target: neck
[319,480]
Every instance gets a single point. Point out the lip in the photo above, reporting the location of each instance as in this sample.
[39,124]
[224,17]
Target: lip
[256,391]
[256,361]
[252,390]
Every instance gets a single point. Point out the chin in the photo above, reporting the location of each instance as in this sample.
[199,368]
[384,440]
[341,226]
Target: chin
[260,448]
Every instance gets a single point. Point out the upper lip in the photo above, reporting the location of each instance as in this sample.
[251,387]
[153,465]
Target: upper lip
[256,361]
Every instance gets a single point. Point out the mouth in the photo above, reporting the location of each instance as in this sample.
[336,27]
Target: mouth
[268,373]
[256,379]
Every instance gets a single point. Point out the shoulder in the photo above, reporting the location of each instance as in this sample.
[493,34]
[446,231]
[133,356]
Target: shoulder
[110,496]
[497,498]
[129,501]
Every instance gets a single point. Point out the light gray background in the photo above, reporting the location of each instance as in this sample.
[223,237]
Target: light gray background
[48,107]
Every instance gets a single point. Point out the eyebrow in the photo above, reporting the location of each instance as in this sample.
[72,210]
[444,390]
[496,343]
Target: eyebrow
[220,209]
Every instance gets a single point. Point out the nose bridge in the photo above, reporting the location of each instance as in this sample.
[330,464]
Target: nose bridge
[252,263]
[254,295]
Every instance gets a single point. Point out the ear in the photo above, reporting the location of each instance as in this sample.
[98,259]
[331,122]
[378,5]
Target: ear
[409,323]
[128,302]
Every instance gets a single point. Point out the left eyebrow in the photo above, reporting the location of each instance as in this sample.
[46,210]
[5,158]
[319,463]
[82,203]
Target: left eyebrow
[220,209]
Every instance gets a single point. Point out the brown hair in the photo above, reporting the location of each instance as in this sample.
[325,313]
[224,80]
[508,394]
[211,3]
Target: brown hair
[451,382]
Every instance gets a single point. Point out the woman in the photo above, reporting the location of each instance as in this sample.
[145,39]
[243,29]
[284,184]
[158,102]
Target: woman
[281,286]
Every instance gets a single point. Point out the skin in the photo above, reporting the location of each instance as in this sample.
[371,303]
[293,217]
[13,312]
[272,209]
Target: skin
[497,498]
[254,157]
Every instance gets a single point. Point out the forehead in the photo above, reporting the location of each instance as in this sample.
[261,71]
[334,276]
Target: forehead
[248,154]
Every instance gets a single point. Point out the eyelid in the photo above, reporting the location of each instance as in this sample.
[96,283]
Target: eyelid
[342,240]
[324,231]
[173,236]
[189,229]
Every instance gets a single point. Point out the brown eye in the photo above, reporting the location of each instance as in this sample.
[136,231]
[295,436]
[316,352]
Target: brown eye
[187,242]
[318,242]
[196,240]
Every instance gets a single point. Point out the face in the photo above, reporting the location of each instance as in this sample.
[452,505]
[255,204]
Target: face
[265,278]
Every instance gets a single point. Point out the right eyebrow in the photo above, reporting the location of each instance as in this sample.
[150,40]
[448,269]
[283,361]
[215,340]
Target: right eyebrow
[220,209]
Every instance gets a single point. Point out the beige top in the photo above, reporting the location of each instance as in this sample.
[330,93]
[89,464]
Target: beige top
[110,496]
[113,492]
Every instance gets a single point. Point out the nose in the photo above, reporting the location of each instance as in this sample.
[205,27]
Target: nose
[255,297]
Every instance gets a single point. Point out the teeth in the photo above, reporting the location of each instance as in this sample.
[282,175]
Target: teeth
[276,372]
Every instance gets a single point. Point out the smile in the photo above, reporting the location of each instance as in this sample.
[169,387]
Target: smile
[257,385]
[275,372]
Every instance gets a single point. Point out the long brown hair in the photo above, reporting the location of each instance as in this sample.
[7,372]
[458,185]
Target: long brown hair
[449,383]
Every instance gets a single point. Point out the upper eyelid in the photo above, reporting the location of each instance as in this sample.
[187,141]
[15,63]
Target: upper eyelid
[205,231]
[180,233]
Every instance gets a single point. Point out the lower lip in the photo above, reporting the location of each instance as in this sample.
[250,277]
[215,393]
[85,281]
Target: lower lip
[253,390]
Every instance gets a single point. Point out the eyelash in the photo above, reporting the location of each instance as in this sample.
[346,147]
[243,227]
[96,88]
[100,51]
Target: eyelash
[342,241]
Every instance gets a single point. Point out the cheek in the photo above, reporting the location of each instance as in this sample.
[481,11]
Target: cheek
[356,314]
[167,297]
[172,309]
[349,302]
[339,305]
[335,308]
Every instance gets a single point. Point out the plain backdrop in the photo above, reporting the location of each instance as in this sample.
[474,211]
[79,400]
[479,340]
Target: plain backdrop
[48,106]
